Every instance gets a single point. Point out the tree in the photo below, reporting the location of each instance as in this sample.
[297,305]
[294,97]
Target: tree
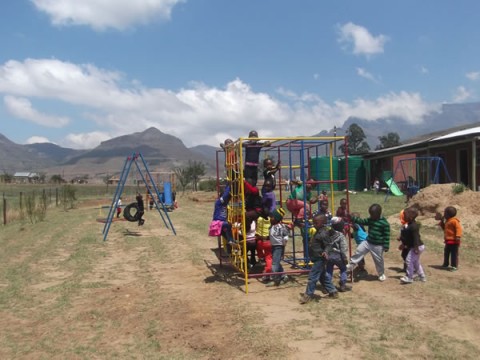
[390,140]
[6,178]
[57,179]
[183,177]
[42,176]
[196,169]
[356,141]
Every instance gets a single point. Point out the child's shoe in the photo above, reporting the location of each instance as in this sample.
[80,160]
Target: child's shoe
[453,268]
[422,278]
[382,277]
[344,288]
[322,289]
[333,295]
[272,283]
[305,298]
[284,280]
[406,280]
[265,279]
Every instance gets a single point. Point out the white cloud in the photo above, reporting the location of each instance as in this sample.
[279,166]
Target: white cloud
[362,42]
[316,76]
[474,75]
[85,140]
[461,94]
[423,70]
[37,140]
[365,74]
[197,114]
[23,109]
[104,14]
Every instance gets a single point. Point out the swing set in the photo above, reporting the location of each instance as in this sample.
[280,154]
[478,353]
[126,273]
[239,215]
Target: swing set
[416,173]
[151,188]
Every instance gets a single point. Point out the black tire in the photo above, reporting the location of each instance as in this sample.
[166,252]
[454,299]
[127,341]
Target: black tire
[127,212]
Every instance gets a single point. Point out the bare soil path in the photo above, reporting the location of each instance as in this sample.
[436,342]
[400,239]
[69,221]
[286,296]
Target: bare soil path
[147,294]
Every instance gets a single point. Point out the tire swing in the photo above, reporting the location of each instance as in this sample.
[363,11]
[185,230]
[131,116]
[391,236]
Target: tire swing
[127,212]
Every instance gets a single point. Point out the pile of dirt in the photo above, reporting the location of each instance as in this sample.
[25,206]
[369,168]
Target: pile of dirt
[435,198]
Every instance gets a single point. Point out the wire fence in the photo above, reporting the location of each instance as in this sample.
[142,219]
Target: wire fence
[31,201]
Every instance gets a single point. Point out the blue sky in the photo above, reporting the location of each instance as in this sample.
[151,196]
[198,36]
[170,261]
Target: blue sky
[76,73]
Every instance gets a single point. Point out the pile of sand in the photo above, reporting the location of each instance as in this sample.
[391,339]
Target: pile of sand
[435,198]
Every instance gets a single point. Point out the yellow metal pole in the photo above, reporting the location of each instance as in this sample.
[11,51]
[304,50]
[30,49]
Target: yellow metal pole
[332,203]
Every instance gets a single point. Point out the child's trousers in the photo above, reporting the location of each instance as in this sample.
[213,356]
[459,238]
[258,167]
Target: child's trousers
[377,255]
[450,253]
[413,262]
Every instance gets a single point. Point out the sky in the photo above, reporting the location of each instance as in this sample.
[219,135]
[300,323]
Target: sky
[76,73]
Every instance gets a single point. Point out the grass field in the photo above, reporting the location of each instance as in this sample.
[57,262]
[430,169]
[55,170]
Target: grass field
[147,294]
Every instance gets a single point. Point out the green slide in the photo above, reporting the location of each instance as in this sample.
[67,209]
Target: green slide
[393,187]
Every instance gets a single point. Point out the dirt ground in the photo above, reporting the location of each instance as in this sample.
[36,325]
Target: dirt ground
[152,295]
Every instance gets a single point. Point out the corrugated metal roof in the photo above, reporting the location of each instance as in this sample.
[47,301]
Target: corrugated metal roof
[471,131]
[21,174]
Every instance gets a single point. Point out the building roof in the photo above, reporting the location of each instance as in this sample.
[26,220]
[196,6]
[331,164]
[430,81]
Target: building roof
[25,174]
[465,132]
[458,133]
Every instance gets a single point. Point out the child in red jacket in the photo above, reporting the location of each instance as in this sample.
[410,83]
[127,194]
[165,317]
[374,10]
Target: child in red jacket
[452,234]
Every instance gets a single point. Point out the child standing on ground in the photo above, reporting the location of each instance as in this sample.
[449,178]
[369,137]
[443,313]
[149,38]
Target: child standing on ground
[359,235]
[403,247]
[278,240]
[411,239]
[141,209]
[452,235]
[378,240]
[376,185]
[337,251]
[264,247]
[251,245]
[119,207]
[318,255]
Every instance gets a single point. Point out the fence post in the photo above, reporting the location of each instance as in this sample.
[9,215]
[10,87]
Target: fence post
[56,196]
[4,210]
[21,201]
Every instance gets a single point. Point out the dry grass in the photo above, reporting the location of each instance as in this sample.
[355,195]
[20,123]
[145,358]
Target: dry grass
[145,293]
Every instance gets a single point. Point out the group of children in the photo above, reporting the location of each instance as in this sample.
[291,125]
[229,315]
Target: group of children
[377,242]
[266,234]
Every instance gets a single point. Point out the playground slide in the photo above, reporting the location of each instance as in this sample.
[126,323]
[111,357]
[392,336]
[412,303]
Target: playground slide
[393,187]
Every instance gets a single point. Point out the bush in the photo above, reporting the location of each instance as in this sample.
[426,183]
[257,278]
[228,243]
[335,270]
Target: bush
[36,211]
[458,188]
[208,185]
[69,197]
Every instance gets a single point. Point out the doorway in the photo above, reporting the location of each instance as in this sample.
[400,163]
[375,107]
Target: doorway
[462,161]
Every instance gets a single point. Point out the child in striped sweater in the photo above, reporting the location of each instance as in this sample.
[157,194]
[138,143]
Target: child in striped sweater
[378,240]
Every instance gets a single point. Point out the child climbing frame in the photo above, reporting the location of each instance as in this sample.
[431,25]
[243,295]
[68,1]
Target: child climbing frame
[296,155]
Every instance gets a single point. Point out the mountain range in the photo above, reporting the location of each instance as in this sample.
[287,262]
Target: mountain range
[164,152]
[161,151]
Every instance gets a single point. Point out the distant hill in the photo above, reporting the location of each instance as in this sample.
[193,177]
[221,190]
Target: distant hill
[210,152]
[53,152]
[452,115]
[162,152]
[15,157]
